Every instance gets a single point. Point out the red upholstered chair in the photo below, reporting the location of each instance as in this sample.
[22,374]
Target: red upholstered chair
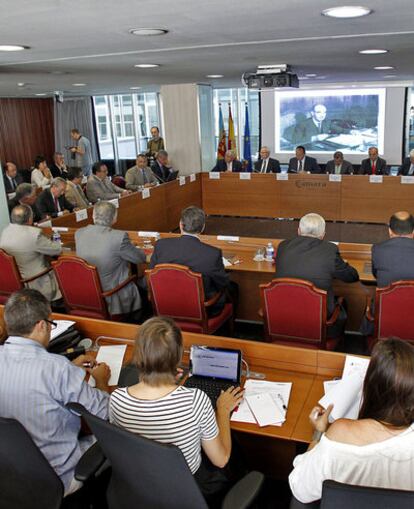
[10,277]
[177,292]
[81,288]
[294,313]
[393,309]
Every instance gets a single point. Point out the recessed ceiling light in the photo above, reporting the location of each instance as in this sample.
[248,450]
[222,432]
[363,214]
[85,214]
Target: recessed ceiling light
[215,76]
[383,67]
[41,94]
[390,76]
[12,47]
[311,75]
[78,84]
[134,88]
[347,11]
[146,66]
[148,31]
[373,51]
[21,84]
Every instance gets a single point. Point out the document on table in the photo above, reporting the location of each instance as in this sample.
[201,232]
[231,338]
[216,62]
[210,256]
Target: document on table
[62,326]
[279,393]
[226,263]
[113,355]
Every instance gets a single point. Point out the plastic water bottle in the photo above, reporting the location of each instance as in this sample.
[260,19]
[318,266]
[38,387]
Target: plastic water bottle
[56,237]
[269,252]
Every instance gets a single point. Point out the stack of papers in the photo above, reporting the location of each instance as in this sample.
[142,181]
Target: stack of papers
[112,355]
[346,394]
[265,403]
[62,326]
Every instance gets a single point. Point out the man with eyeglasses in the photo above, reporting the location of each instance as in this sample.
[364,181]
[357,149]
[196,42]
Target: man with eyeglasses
[36,385]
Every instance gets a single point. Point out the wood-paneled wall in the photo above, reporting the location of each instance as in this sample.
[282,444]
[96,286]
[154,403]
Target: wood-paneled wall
[26,130]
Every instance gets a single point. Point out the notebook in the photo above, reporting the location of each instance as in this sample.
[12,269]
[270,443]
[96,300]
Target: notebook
[214,369]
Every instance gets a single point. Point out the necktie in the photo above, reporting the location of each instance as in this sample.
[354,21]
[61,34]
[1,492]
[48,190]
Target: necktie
[13,184]
[320,126]
[264,166]
[337,170]
[300,166]
[373,167]
[56,204]
[144,177]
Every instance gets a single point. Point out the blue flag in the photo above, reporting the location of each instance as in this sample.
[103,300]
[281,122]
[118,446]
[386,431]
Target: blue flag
[247,151]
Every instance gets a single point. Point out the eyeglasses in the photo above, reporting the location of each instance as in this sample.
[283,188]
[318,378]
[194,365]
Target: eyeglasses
[53,325]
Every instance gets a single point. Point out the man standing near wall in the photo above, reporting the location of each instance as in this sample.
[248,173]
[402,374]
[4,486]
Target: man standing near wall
[81,152]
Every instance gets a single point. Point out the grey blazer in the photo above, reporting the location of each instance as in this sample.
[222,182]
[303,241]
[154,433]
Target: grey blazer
[111,251]
[97,189]
[29,246]
[346,168]
[135,177]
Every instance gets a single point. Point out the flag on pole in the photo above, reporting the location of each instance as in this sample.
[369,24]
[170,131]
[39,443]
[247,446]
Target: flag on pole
[221,148]
[247,151]
[231,143]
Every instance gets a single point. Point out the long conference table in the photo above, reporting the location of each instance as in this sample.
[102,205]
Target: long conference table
[270,449]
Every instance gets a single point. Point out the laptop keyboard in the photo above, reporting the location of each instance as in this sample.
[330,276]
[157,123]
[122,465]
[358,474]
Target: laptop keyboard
[212,388]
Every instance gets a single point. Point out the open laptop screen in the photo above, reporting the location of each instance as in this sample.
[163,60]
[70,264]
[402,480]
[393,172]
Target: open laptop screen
[216,363]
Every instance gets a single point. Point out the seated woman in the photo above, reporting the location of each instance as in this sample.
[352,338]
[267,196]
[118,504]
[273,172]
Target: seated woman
[377,449]
[158,409]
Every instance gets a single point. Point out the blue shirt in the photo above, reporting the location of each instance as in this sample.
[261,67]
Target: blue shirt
[35,386]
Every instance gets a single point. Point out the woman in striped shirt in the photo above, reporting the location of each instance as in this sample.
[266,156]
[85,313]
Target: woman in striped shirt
[158,409]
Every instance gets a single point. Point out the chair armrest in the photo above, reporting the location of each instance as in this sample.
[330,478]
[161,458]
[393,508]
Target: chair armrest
[29,279]
[336,312]
[90,462]
[243,493]
[368,313]
[120,286]
[213,299]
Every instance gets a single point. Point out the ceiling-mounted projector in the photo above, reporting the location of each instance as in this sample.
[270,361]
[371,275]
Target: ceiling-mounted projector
[271,76]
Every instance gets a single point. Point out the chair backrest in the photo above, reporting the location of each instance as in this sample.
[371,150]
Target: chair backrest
[393,308]
[80,287]
[145,473]
[27,481]
[10,278]
[294,310]
[177,292]
[336,495]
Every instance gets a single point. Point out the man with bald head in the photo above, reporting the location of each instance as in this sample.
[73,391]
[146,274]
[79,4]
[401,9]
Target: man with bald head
[374,165]
[229,163]
[266,164]
[393,259]
[11,178]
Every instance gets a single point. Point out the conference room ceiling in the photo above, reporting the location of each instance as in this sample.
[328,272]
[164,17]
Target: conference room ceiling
[89,42]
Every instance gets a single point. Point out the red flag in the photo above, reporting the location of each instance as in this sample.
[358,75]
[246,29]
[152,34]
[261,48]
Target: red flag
[221,149]
[231,145]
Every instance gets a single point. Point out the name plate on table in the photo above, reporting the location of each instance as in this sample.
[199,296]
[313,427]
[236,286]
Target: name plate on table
[335,178]
[282,176]
[148,234]
[229,238]
[245,176]
[81,215]
[60,229]
[215,175]
[407,179]
[375,179]
[115,202]
[193,177]
[146,193]
[181,180]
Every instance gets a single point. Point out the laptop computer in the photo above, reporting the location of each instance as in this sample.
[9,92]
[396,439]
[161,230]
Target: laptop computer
[214,370]
[172,176]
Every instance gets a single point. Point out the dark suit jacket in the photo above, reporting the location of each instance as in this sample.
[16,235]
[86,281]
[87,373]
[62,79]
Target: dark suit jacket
[13,202]
[221,165]
[57,173]
[302,133]
[161,172]
[405,167]
[273,166]
[190,251]
[46,205]
[380,169]
[393,260]
[310,165]
[7,185]
[315,260]
[346,168]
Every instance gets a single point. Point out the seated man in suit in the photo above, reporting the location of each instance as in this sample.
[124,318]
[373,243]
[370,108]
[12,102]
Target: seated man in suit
[11,178]
[309,257]
[374,165]
[407,167]
[58,168]
[111,252]
[188,250]
[161,168]
[74,192]
[36,385]
[338,165]
[140,175]
[99,187]
[51,202]
[266,164]
[30,249]
[229,163]
[303,163]
[393,259]
[26,195]
[314,128]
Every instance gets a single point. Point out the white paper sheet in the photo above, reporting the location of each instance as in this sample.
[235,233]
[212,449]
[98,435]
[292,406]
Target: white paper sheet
[113,355]
[62,326]
[264,409]
[282,176]
[335,178]
[226,262]
[214,175]
[181,180]
[193,177]
[245,176]
[229,238]
[345,397]
[81,215]
[145,193]
[355,364]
